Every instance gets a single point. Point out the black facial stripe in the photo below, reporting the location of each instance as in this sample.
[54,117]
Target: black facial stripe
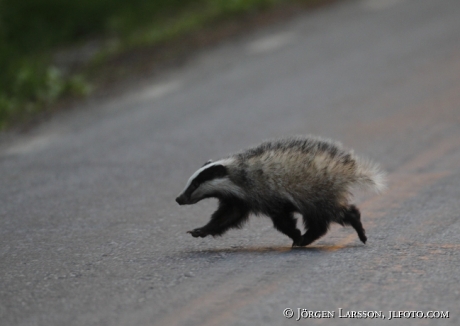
[213,172]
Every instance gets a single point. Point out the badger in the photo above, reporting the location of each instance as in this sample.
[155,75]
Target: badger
[308,175]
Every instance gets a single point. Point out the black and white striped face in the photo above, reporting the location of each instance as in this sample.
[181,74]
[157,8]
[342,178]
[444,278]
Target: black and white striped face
[211,180]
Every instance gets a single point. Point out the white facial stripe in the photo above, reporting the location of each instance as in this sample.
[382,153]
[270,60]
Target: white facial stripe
[194,175]
[223,185]
[220,186]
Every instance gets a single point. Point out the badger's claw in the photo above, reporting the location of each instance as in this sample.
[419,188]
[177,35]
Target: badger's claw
[198,233]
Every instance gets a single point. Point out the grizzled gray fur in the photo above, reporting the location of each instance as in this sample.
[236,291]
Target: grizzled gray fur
[304,174]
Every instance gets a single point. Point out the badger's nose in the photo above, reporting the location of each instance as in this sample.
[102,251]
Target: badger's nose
[179,200]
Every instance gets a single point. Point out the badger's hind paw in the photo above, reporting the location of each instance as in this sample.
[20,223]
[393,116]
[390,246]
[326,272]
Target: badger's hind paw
[199,232]
[297,243]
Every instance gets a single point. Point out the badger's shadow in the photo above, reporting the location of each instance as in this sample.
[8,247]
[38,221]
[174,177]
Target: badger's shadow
[275,249]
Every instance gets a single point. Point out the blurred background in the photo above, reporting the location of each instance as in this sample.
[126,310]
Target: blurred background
[90,233]
[51,49]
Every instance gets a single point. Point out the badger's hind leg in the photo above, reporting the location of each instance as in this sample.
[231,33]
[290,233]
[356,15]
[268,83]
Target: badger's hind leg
[228,215]
[316,219]
[286,223]
[316,229]
[353,217]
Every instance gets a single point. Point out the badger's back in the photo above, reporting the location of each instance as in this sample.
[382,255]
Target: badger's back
[306,169]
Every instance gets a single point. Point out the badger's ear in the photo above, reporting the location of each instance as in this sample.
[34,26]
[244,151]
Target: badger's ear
[207,162]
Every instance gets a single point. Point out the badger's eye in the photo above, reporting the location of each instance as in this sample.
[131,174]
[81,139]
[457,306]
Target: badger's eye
[193,186]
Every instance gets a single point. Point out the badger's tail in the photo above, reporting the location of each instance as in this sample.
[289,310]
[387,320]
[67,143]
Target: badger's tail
[370,176]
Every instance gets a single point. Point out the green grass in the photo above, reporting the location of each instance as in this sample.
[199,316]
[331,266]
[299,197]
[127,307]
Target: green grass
[32,30]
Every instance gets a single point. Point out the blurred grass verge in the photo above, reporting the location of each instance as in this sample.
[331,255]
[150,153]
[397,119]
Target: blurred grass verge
[54,49]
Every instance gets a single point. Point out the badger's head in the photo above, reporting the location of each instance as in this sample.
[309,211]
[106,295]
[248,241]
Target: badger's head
[211,180]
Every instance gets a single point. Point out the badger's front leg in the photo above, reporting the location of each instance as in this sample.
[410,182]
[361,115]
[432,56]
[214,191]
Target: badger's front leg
[199,232]
[229,214]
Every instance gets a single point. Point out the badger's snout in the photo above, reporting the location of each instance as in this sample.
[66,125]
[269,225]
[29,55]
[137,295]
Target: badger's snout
[180,200]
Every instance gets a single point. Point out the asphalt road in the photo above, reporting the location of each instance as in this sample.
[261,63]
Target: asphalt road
[91,234]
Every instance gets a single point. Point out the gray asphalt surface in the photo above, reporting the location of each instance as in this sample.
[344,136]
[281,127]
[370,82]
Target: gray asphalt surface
[91,234]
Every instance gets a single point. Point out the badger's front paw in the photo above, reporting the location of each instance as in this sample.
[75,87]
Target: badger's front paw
[198,233]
